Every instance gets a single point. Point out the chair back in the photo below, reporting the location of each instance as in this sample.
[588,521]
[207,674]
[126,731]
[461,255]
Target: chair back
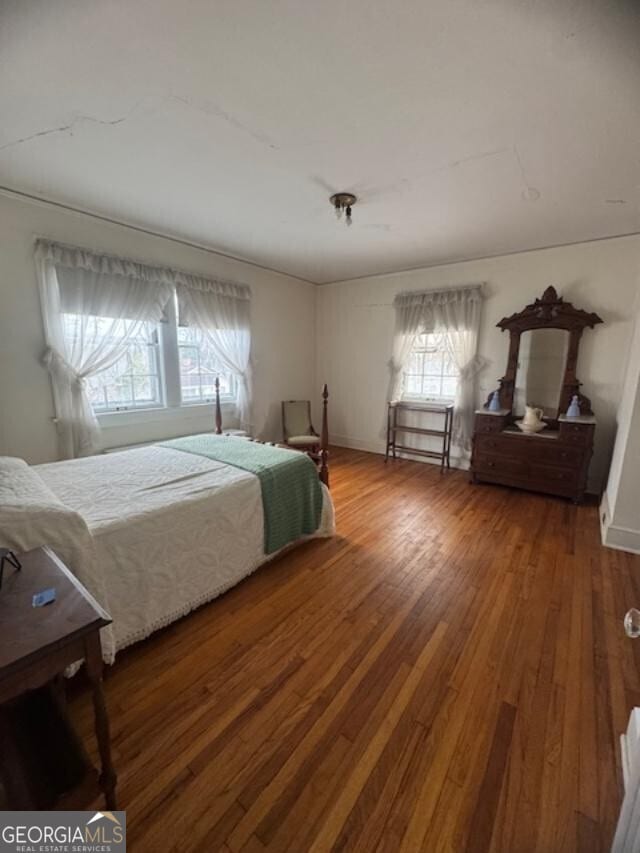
[296,418]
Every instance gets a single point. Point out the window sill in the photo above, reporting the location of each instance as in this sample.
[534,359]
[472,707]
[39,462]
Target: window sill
[189,411]
[443,401]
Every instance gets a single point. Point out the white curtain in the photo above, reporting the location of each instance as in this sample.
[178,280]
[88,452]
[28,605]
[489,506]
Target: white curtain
[221,310]
[454,313]
[73,281]
[409,324]
[458,319]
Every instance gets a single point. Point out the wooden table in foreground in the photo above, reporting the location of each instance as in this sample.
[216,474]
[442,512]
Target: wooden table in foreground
[43,763]
[393,427]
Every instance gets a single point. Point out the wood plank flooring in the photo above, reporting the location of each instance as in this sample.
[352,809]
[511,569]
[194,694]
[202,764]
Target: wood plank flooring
[448,673]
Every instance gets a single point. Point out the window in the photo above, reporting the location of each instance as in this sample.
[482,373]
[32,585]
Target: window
[199,368]
[431,374]
[145,376]
[134,381]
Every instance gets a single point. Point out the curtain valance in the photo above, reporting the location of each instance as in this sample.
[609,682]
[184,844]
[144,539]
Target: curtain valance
[429,309]
[439,297]
[71,257]
[211,309]
[432,310]
[90,294]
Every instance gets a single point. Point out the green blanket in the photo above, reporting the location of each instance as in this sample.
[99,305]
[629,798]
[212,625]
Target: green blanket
[291,493]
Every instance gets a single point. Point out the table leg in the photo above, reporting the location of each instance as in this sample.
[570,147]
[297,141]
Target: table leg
[17,794]
[386,454]
[93,660]
[393,434]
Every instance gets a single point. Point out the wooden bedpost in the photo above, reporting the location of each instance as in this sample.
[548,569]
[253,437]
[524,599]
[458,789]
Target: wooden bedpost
[324,440]
[218,410]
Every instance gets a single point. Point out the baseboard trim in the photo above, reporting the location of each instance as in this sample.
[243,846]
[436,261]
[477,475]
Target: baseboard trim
[604,514]
[379,447]
[614,535]
[621,538]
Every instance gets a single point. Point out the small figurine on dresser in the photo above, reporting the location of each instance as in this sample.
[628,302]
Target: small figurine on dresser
[544,444]
[494,402]
[574,407]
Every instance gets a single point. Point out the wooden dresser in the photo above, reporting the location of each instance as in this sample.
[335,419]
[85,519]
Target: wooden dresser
[555,461]
[544,341]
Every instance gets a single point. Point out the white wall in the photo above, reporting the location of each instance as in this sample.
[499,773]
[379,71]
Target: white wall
[620,511]
[355,327]
[282,323]
[625,414]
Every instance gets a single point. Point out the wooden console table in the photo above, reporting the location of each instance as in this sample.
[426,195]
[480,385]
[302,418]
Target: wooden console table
[43,763]
[393,428]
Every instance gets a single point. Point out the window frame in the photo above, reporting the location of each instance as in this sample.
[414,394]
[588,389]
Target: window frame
[225,396]
[170,392]
[155,374]
[428,398]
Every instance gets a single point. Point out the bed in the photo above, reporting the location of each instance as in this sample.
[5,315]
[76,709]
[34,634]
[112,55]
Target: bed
[157,531]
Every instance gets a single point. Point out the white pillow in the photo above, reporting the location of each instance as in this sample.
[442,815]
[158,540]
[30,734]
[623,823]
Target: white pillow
[11,463]
[31,515]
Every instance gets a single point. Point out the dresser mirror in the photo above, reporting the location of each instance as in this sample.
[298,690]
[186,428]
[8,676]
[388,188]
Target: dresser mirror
[544,337]
[542,359]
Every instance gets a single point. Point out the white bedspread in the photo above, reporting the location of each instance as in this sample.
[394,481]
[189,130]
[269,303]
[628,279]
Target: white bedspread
[171,531]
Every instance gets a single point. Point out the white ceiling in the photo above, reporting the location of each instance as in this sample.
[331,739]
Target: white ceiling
[467,128]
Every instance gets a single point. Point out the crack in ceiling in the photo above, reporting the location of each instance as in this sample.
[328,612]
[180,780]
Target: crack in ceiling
[207,109]
[68,128]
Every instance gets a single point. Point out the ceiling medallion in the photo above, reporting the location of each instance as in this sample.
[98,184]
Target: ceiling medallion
[343,202]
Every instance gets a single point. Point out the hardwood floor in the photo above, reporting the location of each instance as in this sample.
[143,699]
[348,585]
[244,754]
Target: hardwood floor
[449,673]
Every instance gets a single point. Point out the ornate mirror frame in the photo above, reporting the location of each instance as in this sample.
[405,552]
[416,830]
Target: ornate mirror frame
[549,312]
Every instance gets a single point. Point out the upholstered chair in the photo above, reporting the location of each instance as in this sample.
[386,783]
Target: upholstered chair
[297,429]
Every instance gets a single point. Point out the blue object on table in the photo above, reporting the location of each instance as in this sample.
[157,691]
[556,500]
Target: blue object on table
[44,597]
[574,407]
[494,402]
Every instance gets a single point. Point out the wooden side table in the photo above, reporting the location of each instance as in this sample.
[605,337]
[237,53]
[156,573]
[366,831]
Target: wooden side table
[36,646]
[393,428]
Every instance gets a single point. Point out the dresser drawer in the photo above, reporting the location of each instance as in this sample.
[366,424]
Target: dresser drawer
[488,442]
[553,453]
[488,424]
[554,475]
[508,466]
[577,434]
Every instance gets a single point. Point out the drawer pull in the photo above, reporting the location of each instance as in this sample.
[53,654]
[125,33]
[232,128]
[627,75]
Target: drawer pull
[632,624]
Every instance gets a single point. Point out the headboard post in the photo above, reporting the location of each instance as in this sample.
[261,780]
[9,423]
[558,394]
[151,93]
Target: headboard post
[218,410]
[324,439]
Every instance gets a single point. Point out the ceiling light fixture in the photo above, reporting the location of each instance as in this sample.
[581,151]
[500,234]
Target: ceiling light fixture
[343,202]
